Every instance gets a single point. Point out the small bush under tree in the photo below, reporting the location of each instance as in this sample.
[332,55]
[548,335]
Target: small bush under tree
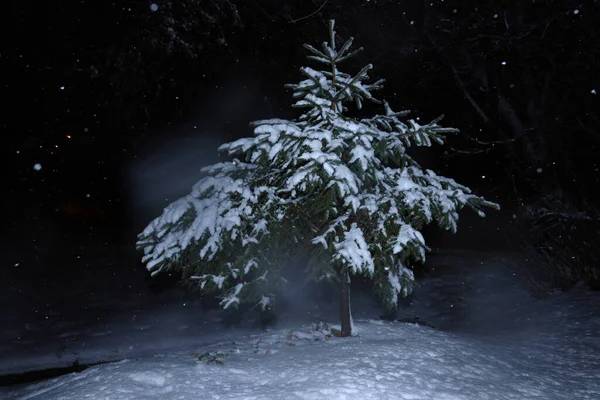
[556,245]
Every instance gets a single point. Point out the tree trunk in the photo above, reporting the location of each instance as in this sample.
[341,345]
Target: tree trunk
[345,304]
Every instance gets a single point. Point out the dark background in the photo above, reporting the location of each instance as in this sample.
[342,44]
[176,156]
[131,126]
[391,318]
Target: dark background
[121,105]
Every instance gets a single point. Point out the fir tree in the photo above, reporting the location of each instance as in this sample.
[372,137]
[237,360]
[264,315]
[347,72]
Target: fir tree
[343,188]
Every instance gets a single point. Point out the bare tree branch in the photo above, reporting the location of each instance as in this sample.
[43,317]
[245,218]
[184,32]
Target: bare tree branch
[311,14]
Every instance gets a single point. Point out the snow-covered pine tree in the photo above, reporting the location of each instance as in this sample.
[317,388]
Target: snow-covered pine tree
[343,187]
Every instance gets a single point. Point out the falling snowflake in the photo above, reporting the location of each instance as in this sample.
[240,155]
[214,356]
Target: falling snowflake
[575,12]
[503,62]
[154,7]
[593,91]
[539,170]
[37,166]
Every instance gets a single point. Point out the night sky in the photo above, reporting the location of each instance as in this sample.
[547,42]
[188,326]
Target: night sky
[111,108]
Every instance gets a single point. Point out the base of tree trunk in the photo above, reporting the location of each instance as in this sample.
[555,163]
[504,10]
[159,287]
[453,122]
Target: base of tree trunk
[345,304]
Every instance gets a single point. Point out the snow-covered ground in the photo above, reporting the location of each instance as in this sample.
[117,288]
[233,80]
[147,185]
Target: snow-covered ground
[490,341]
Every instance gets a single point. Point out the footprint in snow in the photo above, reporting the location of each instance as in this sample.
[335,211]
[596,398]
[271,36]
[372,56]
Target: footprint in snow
[96,334]
[149,378]
[69,334]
